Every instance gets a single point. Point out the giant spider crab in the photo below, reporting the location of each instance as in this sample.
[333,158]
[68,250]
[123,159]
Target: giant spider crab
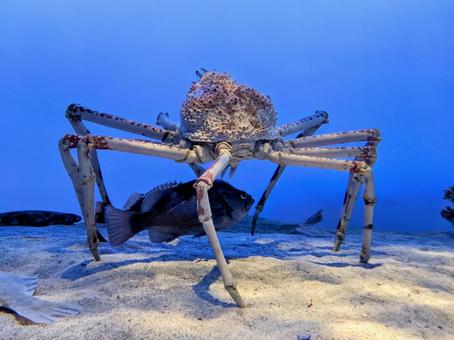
[224,122]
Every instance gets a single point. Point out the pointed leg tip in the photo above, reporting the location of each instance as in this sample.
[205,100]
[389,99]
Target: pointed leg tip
[337,245]
[364,258]
[95,255]
[235,296]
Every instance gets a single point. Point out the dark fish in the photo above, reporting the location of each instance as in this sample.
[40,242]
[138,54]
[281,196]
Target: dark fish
[37,218]
[170,211]
[314,219]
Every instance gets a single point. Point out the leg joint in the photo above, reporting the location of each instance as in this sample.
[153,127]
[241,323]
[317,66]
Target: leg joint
[370,200]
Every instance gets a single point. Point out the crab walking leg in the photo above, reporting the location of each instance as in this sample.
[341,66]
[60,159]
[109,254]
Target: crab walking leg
[359,168]
[81,129]
[351,194]
[261,204]
[87,198]
[77,112]
[204,211]
[141,147]
[369,201]
[285,158]
[335,138]
[365,152]
[71,166]
[276,175]
[315,120]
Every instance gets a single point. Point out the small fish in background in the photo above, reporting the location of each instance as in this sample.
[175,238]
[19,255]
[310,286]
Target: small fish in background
[448,213]
[37,218]
[170,210]
[315,218]
[16,295]
[40,218]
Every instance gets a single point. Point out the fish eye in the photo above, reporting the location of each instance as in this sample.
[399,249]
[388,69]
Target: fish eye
[243,196]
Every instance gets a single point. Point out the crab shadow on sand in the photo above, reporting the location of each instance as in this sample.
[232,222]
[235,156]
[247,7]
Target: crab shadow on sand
[195,249]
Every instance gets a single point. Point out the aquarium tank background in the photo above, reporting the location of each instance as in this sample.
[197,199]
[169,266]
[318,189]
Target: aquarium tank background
[380,64]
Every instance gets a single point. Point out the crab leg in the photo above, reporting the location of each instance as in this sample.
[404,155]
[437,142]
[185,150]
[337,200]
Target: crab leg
[261,204]
[73,170]
[81,129]
[335,138]
[356,167]
[353,186]
[77,112]
[337,152]
[310,130]
[202,185]
[369,200]
[317,119]
[351,194]
[83,175]
[87,197]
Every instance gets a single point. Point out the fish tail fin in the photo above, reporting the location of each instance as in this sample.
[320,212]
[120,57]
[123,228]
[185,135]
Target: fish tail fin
[118,223]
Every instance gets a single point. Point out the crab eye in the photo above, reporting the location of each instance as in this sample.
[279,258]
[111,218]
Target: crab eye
[243,196]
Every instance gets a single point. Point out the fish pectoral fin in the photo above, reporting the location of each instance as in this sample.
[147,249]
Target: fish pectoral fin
[158,235]
[41,311]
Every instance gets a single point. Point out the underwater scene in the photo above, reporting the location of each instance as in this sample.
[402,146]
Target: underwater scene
[227,169]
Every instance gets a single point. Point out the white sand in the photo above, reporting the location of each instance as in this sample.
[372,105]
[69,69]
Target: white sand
[294,284]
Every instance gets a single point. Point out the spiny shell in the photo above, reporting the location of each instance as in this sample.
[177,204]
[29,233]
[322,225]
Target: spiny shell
[219,109]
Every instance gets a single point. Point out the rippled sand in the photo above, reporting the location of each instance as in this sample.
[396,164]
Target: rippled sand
[294,285]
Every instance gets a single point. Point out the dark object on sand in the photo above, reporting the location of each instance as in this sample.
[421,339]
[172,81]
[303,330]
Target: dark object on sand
[448,212]
[37,218]
[170,211]
[314,219]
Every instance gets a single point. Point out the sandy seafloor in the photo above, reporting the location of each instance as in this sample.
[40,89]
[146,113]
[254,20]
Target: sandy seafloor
[294,284]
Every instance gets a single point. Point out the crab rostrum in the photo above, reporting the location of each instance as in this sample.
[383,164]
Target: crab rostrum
[223,122]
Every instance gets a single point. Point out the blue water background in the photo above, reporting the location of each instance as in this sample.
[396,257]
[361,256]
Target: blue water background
[385,64]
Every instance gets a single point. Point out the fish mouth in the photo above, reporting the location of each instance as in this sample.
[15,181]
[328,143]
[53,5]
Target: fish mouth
[250,202]
[239,214]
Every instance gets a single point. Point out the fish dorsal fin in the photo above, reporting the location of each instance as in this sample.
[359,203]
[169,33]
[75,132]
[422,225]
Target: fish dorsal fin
[133,200]
[151,197]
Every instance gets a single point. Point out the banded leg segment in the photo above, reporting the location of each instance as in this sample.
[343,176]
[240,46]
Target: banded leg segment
[361,152]
[369,201]
[204,212]
[75,112]
[315,120]
[87,197]
[261,204]
[82,130]
[369,135]
[351,194]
